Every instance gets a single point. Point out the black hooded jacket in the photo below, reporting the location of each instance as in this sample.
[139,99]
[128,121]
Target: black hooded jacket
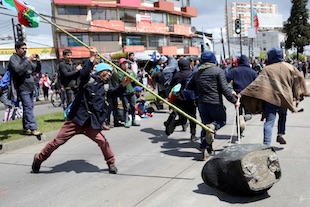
[182,75]
[242,75]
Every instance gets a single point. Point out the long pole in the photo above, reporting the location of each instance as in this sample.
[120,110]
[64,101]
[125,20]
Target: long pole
[224,54]
[14,34]
[240,35]
[227,29]
[252,39]
[124,72]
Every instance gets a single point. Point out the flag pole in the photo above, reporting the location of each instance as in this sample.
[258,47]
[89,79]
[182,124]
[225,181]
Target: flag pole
[132,78]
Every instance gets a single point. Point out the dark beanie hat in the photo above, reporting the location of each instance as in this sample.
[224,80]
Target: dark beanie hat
[207,56]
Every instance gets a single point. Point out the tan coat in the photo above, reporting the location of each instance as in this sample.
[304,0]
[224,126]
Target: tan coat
[279,84]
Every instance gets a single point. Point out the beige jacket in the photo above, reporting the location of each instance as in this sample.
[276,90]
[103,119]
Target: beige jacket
[279,84]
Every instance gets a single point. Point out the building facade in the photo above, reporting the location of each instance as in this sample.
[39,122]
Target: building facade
[125,26]
[266,40]
[242,10]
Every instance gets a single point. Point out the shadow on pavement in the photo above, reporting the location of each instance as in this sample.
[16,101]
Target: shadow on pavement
[206,190]
[175,147]
[54,120]
[6,134]
[78,166]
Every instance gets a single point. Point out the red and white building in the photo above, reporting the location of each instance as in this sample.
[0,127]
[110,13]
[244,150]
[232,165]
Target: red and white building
[125,26]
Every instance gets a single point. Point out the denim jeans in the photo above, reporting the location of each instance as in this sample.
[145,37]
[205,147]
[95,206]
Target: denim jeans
[29,121]
[270,111]
[129,104]
[211,113]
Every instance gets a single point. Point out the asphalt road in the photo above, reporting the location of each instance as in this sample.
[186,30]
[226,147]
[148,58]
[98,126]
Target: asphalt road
[154,170]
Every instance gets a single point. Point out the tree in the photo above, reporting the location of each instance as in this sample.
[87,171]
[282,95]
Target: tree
[297,27]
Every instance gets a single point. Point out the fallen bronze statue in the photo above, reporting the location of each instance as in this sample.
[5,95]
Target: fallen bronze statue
[243,170]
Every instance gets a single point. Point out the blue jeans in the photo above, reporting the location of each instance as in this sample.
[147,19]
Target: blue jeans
[29,121]
[270,111]
[211,113]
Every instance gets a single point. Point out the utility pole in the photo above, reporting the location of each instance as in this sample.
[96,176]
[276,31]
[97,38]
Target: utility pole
[14,35]
[223,43]
[251,56]
[240,34]
[227,29]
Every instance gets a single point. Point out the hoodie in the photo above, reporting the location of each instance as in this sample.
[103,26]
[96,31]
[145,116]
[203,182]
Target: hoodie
[170,70]
[242,75]
[182,75]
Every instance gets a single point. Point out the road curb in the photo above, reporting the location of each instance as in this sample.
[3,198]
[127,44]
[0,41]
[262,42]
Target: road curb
[27,141]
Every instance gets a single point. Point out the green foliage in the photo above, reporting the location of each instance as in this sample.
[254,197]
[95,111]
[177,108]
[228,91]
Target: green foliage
[13,130]
[294,56]
[297,27]
[262,54]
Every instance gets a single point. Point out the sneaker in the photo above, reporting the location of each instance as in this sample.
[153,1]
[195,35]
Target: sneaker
[35,132]
[184,127]
[112,169]
[204,154]
[194,138]
[26,132]
[35,165]
[169,127]
[242,123]
[135,123]
[209,135]
[117,124]
[281,140]
[127,125]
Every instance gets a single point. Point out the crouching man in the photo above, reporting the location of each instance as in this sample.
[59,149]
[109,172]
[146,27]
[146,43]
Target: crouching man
[88,112]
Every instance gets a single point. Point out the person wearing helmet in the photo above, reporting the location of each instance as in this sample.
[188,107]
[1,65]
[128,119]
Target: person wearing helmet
[88,112]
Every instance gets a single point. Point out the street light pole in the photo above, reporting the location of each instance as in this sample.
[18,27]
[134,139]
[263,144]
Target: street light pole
[251,56]
[222,40]
[227,29]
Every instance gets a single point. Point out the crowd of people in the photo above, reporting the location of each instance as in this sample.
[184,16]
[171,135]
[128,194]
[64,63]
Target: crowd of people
[93,89]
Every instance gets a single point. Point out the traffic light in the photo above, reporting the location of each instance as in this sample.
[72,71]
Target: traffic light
[20,32]
[238,26]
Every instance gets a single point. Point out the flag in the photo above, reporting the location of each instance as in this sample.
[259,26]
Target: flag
[154,56]
[204,41]
[255,19]
[89,16]
[26,15]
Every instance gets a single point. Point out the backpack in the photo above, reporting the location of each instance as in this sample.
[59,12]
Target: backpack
[5,82]
[189,94]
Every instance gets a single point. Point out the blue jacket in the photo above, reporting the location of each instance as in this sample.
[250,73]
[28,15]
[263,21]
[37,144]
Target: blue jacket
[90,106]
[242,75]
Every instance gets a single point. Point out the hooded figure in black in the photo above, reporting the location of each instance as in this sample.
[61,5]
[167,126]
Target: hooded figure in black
[241,77]
[188,106]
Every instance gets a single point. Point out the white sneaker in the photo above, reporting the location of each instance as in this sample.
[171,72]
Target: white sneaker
[209,135]
[242,123]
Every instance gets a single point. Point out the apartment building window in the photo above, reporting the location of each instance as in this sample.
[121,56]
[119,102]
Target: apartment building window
[159,17]
[128,15]
[186,20]
[157,40]
[104,14]
[105,37]
[66,40]
[72,10]
[176,39]
[134,40]
[173,19]
[150,1]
